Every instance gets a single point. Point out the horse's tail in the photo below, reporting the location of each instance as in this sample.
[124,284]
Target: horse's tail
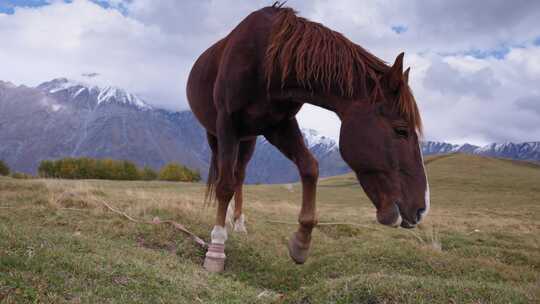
[210,194]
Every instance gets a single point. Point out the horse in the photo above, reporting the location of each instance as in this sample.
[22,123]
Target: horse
[255,80]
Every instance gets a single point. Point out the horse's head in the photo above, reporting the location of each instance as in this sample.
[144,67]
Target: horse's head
[379,141]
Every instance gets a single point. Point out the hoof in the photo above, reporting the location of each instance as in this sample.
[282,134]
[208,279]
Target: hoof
[215,258]
[297,251]
[239,225]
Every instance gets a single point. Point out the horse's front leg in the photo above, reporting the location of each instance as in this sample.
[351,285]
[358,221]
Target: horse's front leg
[289,140]
[227,155]
[300,241]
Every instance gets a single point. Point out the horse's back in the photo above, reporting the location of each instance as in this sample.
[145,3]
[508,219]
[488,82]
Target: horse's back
[229,74]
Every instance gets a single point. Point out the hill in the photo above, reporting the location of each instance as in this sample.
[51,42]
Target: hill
[480,243]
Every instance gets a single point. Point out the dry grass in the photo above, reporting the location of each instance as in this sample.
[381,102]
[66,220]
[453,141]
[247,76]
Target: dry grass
[480,243]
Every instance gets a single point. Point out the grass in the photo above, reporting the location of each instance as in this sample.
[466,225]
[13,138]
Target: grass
[480,243]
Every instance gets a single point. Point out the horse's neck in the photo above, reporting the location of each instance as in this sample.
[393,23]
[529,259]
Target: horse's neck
[329,102]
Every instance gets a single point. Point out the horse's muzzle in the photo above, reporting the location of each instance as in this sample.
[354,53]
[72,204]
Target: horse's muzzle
[408,224]
[394,217]
[390,216]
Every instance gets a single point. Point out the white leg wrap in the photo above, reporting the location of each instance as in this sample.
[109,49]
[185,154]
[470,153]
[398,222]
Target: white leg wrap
[219,235]
[239,224]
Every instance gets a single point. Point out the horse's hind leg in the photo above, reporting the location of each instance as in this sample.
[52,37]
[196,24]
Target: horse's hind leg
[288,139]
[234,213]
[227,155]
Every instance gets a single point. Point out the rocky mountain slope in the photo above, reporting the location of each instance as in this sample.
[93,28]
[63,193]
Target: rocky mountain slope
[59,119]
[520,151]
[62,118]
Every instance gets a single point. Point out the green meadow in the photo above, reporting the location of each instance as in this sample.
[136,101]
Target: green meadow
[479,244]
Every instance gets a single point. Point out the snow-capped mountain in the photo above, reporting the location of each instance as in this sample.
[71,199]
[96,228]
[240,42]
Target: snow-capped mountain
[62,118]
[435,147]
[315,139]
[523,151]
[7,84]
[520,151]
[74,89]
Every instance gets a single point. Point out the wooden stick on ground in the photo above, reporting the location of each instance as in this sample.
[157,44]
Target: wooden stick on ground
[157,221]
[324,224]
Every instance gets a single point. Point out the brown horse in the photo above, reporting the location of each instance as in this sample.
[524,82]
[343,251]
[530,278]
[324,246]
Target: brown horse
[254,81]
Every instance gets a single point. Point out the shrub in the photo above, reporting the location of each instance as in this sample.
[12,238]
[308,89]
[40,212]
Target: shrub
[178,173]
[172,172]
[89,168]
[129,171]
[20,175]
[148,173]
[46,169]
[195,176]
[4,169]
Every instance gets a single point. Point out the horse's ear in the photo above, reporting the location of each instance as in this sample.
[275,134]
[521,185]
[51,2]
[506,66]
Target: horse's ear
[406,75]
[395,75]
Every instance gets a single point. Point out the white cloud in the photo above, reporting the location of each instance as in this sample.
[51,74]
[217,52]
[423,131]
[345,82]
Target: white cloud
[149,46]
[69,39]
[483,100]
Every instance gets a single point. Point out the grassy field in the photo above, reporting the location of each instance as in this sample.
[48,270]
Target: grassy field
[480,243]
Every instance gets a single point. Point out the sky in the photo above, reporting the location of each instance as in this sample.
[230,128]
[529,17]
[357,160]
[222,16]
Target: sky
[475,65]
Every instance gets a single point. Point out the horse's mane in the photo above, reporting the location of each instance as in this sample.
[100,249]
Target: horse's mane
[322,59]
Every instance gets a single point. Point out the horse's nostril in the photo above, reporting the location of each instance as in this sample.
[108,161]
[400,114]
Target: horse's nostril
[419,213]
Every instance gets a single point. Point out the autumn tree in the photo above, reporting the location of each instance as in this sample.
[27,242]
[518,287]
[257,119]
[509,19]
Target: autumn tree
[4,169]
[179,173]
[148,173]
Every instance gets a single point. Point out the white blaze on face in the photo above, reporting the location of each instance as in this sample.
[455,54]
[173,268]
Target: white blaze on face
[426,196]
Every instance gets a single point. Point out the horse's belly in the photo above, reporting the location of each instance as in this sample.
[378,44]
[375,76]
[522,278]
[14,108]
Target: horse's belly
[256,119]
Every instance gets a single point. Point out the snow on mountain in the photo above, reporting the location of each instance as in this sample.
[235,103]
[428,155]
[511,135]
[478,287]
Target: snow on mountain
[435,147]
[314,138]
[106,94]
[497,147]
[520,151]
[525,150]
[7,84]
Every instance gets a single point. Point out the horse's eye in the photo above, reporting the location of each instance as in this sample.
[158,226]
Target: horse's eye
[401,132]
